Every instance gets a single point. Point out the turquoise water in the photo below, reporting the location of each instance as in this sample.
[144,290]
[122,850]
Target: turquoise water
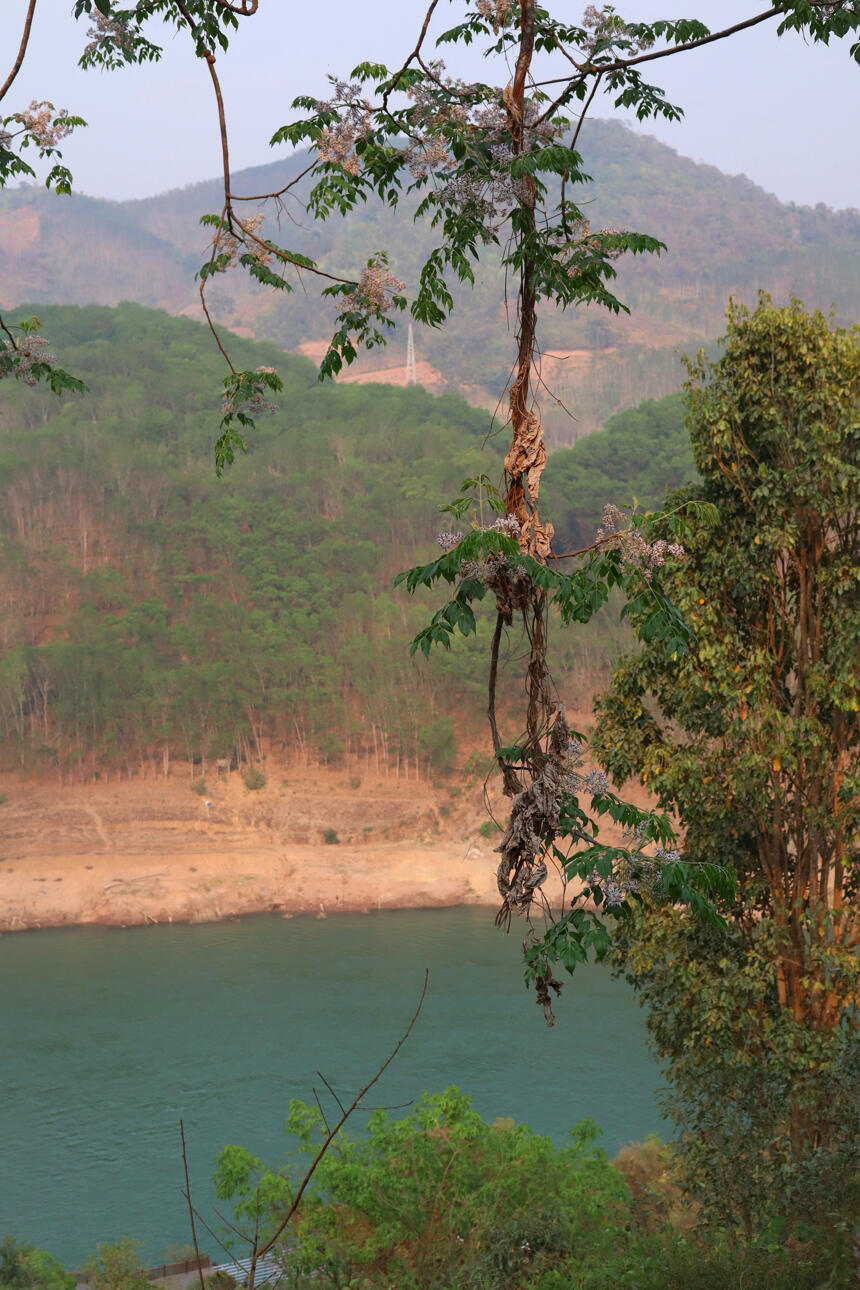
[110,1036]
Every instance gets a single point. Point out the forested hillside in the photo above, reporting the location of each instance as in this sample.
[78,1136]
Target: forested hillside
[725,235]
[152,610]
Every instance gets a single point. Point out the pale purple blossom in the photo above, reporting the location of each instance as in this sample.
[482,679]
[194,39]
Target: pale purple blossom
[31,351]
[618,531]
[507,524]
[595,782]
[373,291]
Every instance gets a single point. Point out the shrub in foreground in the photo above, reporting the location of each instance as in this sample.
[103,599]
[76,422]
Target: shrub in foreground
[440,1200]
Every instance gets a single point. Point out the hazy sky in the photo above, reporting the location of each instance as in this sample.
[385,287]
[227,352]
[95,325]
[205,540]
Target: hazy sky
[781,112]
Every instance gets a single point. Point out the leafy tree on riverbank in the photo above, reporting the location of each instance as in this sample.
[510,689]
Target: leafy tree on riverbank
[25,1267]
[753,741]
[117,1266]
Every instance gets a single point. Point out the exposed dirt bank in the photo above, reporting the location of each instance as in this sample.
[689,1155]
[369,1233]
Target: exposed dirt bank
[153,851]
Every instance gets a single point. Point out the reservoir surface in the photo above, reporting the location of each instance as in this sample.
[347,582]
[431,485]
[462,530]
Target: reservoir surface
[108,1037]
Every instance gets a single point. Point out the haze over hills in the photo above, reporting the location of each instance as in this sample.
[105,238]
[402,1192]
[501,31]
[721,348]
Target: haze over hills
[725,236]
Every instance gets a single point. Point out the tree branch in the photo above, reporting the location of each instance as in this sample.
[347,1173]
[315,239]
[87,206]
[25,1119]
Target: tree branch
[415,53]
[190,1206]
[621,64]
[22,50]
[354,1104]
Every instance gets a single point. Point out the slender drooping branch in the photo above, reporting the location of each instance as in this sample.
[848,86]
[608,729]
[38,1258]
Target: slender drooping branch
[621,64]
[209,58]
[330,1137]
[22,50]
[187,1194]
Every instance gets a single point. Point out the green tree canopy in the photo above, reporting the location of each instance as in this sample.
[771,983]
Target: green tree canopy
[752,739]
[25,1267]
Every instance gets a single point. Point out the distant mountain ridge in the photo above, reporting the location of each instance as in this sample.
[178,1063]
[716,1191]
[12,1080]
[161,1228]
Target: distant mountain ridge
[725,236]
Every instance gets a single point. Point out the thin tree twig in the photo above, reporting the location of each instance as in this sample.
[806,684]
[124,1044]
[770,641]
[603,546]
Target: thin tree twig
[583,550]
[8,333]
[354,1104]
[416,53]
[215,1237]
[584,111]
[191,1207]
[321,1111]
[621,64]
[265,197]
[242,1235]
[330,1089]
[22,50]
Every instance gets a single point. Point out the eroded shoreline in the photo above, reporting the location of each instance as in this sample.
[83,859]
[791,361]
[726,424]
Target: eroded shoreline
[154,851]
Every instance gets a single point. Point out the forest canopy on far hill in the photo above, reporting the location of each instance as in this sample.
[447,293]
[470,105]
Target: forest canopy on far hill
[151,609]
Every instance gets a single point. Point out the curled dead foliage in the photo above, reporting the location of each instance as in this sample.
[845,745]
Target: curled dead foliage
[524,466]
[532,826]
[526,459]
[537,780]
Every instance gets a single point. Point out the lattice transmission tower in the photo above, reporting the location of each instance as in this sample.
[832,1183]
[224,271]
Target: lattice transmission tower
[411,369]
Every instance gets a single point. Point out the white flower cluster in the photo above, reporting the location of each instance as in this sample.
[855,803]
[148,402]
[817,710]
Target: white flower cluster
[636,552]
[44,124]
[636,875]
[31,351]
[448,541]
[486,189]
[110,32]
[336,142]
[576,780]
[495,11]
[605,24]
[243,232]
[427,154]
[373,291]
[507,524]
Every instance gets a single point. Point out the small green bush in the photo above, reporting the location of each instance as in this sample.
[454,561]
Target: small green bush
[488,828]
[117,1266]
[253,779]
[198,786]
[477,765]
[330,837]
[441,1200]
[25,1267]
